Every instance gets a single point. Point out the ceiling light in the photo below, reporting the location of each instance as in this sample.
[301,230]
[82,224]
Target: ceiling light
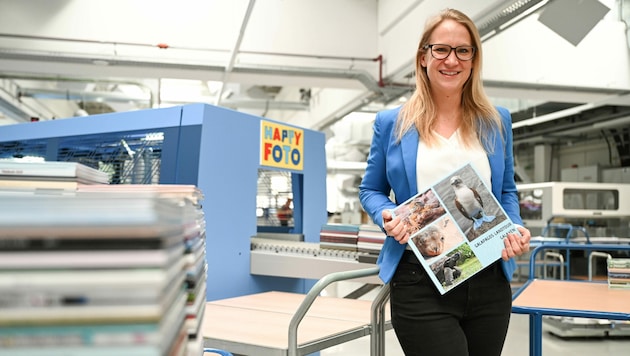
[154,136]
[553,116]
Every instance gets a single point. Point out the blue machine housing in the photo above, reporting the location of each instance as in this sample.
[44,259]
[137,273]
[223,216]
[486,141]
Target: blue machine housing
[216,149]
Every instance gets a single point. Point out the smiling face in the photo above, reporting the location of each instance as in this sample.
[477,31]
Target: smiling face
[448,75]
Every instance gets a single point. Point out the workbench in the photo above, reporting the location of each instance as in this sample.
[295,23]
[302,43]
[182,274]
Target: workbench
[568,298]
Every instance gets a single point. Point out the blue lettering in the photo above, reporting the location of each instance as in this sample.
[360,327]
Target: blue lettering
[277,153]
[295,156]
[268,132]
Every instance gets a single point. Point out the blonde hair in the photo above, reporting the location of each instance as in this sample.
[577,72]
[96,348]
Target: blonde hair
[479,115]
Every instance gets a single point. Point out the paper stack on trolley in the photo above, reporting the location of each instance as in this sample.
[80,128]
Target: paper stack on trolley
[48,175]
[101,272]
[619,273]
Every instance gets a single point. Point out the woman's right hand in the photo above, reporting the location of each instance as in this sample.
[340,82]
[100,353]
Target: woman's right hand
[394,227]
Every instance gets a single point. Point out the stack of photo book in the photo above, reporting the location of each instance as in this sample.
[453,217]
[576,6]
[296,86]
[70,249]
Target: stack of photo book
[619,273]
[370,242]
[48,175]
[338,236]
[109,269]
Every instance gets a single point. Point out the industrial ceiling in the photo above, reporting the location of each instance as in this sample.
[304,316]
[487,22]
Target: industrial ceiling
[49,73]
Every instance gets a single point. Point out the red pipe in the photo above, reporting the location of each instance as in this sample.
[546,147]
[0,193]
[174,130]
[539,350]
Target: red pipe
[379,59]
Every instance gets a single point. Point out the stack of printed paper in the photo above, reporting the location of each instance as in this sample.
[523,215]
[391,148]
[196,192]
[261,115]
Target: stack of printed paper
[619,273]
[48,175]
[101,272]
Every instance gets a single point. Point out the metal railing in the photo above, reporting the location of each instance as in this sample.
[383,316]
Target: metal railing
[377,318]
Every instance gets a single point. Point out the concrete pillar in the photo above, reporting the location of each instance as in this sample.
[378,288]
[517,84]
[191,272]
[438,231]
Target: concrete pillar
[542,163]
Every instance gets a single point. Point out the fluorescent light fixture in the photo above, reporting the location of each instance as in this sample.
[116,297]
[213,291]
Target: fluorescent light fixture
[553,116]
[154,136]
[514,7]
[334,166]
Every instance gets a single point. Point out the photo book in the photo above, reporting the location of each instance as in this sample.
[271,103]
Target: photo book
[456,227]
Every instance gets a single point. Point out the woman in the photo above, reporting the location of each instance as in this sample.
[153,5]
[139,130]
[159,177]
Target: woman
[447,122]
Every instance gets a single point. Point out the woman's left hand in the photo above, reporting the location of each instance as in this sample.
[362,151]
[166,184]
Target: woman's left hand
[516,245]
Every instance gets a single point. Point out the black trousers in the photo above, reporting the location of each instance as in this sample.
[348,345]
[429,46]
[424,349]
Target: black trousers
[469,320]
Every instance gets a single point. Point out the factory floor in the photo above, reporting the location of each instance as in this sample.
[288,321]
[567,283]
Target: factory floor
[516,344]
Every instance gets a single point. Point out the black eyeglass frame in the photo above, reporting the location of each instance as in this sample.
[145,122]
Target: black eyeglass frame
[430,48]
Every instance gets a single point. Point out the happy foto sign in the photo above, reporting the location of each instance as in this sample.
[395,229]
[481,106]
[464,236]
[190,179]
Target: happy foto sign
[281,146]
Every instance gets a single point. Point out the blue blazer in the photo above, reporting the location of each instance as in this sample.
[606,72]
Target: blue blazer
[392,166]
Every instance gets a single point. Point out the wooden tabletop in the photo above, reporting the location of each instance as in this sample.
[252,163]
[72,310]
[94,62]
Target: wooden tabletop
[262,320]
[324,307]
[573,295]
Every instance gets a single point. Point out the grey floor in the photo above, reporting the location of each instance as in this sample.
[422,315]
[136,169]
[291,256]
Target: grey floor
[517,342]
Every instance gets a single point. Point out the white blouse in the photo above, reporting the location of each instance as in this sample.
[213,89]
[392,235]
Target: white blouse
[448,154]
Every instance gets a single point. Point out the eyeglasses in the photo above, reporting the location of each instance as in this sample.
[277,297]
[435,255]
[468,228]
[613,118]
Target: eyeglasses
[441,51]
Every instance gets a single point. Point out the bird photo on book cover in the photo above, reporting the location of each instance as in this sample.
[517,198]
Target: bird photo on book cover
[456,227]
